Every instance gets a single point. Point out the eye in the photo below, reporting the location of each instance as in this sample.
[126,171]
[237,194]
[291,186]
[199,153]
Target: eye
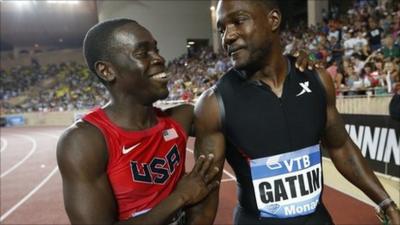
[221,31]
[239,20]
[140,54]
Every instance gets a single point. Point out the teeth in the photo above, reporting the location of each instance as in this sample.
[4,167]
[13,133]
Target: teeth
[160,76]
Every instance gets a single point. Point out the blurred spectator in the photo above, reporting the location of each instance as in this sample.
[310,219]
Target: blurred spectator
[392,74]
[390,49]
[375,34]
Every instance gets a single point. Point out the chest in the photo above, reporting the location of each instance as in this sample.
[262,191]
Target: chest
[146,161]
[260,123]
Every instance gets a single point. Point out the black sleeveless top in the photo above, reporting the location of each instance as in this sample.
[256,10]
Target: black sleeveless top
[256,123]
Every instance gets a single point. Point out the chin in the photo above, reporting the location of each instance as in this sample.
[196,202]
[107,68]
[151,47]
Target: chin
[239,65]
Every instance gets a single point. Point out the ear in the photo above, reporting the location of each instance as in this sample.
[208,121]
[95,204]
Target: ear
[105,71]
[275,19]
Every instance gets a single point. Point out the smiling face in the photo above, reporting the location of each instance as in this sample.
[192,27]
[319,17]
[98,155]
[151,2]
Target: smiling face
[139,69]
[247,29]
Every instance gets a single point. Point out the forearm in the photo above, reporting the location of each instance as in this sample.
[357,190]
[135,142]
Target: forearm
[204,213]
[353,166]
[161,214]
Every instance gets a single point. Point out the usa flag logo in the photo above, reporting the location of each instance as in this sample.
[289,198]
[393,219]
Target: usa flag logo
[170,134]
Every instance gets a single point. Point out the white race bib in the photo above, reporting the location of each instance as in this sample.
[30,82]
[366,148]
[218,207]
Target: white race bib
[288,185]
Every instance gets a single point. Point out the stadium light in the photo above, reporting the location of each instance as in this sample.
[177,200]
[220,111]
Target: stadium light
[21,3]
[63,2]
[191,42]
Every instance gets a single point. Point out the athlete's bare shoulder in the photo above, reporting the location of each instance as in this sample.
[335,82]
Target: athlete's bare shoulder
[207,111]
[327,82]
[183,114]
[82,144]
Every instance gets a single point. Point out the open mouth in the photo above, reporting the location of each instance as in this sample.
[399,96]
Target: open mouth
[160,76]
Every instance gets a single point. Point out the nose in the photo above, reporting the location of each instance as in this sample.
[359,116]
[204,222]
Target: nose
[230,36]
[157,59]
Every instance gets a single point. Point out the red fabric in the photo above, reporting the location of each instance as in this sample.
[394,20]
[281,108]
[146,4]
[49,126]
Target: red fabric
[132,195]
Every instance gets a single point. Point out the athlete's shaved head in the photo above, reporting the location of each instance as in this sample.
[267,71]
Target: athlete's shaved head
[269,4]
[98,42]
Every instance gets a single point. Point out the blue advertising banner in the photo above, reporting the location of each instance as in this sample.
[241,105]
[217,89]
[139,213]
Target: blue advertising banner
[15,120]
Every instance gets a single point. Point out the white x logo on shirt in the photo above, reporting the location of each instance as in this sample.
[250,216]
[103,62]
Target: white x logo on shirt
[305,87]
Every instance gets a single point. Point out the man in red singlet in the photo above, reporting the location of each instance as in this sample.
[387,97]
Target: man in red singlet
[124,163]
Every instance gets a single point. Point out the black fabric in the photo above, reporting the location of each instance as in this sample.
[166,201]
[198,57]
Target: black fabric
[375,36]
[259,124]
[394,107]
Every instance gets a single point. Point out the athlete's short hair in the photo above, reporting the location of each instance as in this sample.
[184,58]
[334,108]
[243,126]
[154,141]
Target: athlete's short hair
[270,4]
[98,41]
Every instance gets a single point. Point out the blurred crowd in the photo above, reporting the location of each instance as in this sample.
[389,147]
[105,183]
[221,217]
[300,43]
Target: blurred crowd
[62,87]
[360,49]
[194,73]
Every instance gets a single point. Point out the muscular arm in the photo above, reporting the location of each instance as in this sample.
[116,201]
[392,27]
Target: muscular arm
[183,114]
[344,153]
[88,196]
[209,139]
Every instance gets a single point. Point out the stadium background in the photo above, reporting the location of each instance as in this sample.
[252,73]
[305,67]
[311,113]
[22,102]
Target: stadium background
[45,86]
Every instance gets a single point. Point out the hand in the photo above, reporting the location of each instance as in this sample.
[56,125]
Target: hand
[393,214]
[305,60]
[197,184]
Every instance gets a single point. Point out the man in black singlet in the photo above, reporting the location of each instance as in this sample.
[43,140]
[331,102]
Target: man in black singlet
[269,119]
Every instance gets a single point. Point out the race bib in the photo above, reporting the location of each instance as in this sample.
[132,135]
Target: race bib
[288,185]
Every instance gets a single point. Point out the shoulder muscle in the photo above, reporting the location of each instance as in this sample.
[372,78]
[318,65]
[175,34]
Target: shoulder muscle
[81,151]
[183,114]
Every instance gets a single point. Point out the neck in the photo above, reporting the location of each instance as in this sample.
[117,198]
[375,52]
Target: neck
[129,114]
[274,69]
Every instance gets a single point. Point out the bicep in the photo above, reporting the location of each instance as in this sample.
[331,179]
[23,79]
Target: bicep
[334,135]
[88,196]
[211,143]
[209,136]
[209,139]
[89,201]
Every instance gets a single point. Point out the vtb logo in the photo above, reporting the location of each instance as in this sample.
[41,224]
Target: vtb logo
[158,170]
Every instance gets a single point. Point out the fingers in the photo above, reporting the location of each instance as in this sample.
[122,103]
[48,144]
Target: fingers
[206,165]
[211,175]
[199,163]
[311,65]
[307,61]
[213,185]
[204,169]
[301,60]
